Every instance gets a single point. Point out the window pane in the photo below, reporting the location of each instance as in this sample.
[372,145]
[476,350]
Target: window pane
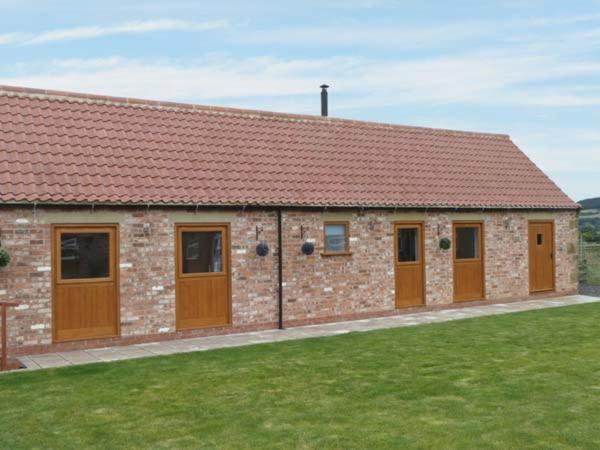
[84,255]
[467,242]
[408,244]
[540,239]
[335,238]
[201,251]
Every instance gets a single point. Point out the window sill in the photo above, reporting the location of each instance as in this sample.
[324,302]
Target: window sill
[337,254]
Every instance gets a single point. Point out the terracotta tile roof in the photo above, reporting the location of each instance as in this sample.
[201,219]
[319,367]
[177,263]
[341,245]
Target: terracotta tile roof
[58,147]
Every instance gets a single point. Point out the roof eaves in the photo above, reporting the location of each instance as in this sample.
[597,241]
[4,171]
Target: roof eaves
[574,206]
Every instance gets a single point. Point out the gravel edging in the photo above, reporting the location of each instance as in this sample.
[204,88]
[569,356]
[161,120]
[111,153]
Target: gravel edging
[589,289]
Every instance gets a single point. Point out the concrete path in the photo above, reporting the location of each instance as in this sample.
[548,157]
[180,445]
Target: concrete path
[235,340]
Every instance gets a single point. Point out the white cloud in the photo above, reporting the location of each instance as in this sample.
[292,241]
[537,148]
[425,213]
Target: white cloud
[12,38]
[207,79]
[565,20]
[537,73]
[498,77]
[400,37]
[77,33]
[408,36]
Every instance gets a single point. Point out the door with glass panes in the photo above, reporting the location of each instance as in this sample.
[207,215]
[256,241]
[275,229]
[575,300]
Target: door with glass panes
[409,265]
[468,268]
[202,276]
[84,282]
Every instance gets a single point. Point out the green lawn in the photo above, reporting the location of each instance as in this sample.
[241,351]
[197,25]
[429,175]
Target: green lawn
[527,380]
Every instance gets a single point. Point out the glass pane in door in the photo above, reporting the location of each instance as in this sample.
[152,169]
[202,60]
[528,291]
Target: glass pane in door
[201,252]
[467,242]
[408,244]
[84,255]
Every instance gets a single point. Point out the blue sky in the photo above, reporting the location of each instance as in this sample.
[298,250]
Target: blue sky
[527,68]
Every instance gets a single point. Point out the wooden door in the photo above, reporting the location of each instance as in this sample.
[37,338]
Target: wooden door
[409,265]
[85,282]
[541,256]
[468,262]
[202,276]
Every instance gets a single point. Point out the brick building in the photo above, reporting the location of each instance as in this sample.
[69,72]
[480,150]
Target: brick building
[130,221]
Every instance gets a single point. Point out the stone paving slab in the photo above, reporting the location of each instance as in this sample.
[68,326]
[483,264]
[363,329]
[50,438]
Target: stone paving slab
[34,362]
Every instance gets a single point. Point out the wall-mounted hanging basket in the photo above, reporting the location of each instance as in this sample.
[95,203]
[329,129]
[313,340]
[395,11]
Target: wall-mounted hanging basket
[308,248]
[262,249]
[445,243]
[4,257]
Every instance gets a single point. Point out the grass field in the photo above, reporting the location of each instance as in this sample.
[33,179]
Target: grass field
[526,380]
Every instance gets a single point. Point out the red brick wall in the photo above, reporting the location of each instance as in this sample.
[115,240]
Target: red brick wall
[316,288]
[27,278]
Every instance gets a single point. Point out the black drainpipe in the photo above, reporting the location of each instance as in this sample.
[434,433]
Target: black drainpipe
[280,267]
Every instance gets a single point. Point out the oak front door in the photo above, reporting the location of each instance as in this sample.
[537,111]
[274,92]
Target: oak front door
[85,282]
[202,276]
[409,266]
[468,262]
[541,256]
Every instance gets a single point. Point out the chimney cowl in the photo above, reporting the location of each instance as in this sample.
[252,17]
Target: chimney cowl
[324,102]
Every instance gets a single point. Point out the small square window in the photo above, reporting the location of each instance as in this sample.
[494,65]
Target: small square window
[540,239]
[336,238]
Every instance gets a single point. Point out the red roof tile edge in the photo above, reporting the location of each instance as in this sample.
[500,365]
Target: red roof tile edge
[332,206]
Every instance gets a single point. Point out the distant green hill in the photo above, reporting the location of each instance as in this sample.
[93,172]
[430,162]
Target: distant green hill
[590,203]
[589,219]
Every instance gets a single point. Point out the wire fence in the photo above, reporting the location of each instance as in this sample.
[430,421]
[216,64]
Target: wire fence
[589,262]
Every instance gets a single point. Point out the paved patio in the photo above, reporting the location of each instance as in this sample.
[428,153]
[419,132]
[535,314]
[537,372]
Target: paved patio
[34,362]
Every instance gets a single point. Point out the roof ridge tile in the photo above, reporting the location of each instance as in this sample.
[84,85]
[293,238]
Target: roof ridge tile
[47,94]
